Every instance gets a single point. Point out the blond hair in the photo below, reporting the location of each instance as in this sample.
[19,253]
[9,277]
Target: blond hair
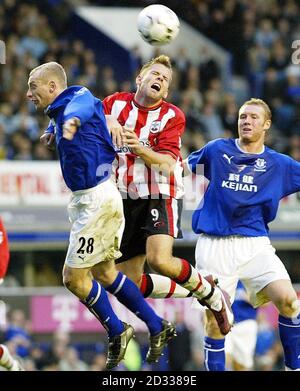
[52,69]
[261,103]
[162,59]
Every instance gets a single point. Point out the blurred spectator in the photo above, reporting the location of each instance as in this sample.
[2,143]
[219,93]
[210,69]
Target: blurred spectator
[98,362]
[70,361]
[257,34]
[18,331]
[180,347]
[266,352]
[56,352]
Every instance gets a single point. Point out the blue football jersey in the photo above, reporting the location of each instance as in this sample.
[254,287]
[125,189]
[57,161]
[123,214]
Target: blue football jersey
[244,188]
[86,160]
[241,307]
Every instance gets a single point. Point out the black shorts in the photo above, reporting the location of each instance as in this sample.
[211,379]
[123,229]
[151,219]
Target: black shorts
[146,217]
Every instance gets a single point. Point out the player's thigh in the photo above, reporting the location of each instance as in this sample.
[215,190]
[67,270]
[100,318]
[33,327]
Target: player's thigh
[215,256]
[263,269]
[97,222]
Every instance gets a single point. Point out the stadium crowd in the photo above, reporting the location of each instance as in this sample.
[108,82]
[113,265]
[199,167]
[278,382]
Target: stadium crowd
[258,35]
[64,351]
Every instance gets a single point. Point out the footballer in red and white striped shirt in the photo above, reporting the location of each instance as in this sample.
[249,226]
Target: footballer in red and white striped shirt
[158,128]
[149,172]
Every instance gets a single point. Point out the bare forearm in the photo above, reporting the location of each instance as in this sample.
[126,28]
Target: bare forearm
[158,161]
[161,162]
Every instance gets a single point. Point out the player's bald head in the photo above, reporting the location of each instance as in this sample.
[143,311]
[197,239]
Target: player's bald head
[50,71]
[45,83]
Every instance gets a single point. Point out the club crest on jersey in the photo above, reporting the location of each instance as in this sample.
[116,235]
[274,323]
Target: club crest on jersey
[155,126]
[260,165]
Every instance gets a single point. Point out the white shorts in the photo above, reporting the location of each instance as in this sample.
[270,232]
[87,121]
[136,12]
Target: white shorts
[249,259]
[97,221]
[241,341]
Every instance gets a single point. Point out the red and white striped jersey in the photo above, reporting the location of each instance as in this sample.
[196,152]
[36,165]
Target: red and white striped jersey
[159,128]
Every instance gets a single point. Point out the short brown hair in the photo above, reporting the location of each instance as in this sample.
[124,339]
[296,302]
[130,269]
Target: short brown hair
[162,59]
[261,103]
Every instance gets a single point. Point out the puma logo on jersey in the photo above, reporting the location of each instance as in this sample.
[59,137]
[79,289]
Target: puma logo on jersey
[228,158]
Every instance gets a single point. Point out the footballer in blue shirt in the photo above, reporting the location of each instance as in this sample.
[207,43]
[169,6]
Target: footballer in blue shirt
[95,210]
[246,182]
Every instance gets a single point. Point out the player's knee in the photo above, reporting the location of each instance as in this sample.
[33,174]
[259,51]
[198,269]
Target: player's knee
[287,305]
[68,283]
[157,262]
[75,286]
[157,265]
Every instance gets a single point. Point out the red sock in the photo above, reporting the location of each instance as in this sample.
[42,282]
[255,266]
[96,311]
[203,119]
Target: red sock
[185,274]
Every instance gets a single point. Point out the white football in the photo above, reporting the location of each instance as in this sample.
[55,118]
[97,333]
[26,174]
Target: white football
[158,24]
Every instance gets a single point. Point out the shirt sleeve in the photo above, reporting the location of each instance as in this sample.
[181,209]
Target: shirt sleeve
[81,106]
[169,140]
[50,128]
[108,103]
[197,158]
[292,177]
[4,251]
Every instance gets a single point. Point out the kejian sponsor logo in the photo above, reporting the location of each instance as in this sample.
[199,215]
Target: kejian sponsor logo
[239,186]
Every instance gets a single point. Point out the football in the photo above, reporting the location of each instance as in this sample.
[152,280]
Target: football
[158,24]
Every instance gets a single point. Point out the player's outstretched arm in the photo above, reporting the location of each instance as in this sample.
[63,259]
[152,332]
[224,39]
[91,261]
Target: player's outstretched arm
[115,129]
[161,162]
